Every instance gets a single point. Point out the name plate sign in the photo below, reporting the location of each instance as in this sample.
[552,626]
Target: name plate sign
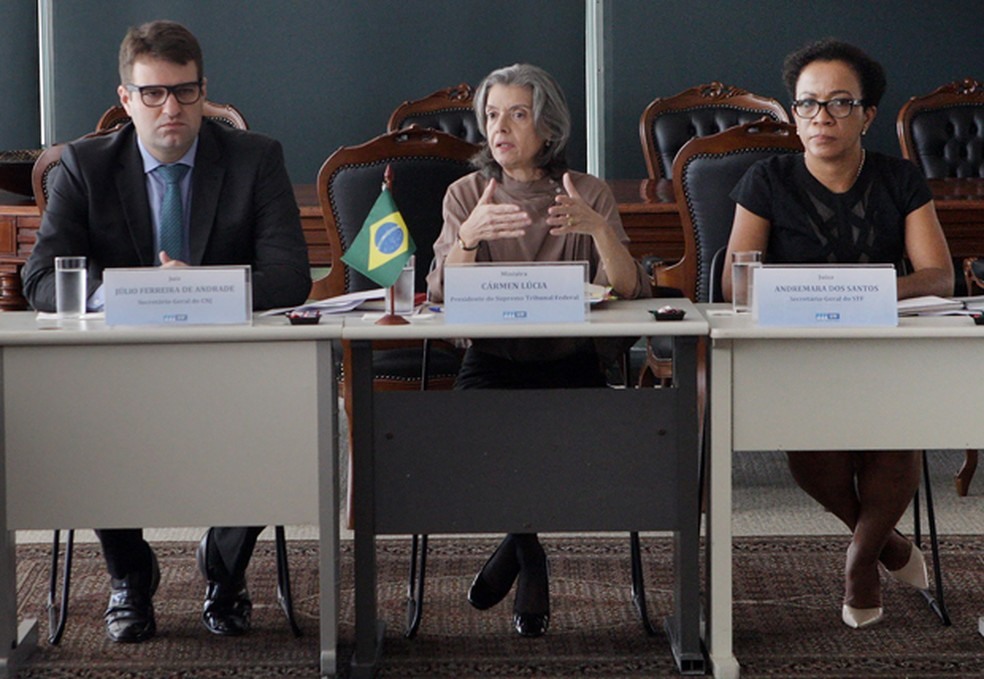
[816,295]
[194,295]
[535,292]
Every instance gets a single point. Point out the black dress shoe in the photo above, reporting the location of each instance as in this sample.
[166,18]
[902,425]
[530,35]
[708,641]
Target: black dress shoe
[130,615]
[531,609]
[493,582]
[531,624]
[227,607]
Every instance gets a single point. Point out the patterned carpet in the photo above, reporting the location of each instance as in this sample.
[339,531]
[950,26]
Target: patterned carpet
[787,594]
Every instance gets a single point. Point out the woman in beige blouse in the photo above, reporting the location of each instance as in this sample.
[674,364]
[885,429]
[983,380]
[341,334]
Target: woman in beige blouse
[524,205]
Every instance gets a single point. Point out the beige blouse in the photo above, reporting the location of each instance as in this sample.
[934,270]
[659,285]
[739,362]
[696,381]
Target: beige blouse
[537,245]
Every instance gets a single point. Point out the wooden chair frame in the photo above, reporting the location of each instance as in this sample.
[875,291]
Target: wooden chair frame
[223,113]
[46,162]
[456,98]
[709,96]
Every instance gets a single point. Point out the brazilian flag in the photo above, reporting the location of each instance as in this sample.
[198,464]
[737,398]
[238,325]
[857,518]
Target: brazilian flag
[383,245]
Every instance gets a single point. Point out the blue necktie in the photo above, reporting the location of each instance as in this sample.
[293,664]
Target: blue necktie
[172,222]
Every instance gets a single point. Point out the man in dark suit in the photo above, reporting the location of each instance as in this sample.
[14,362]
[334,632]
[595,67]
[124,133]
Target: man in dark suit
[106,202]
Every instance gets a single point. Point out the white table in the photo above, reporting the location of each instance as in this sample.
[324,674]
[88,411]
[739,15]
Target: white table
[176,426]
[487,460]
[827,389]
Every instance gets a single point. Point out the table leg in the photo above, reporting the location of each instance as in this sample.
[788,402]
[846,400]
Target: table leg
[683,627]
[327,509]
[16,641]
[368,632]
[719,586]
[23,638]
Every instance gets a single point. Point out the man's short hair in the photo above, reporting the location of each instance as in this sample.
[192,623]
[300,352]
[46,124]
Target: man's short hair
[165,40]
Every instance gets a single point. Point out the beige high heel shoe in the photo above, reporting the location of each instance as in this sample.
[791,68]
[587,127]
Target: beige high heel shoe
[857,618]
[913,573]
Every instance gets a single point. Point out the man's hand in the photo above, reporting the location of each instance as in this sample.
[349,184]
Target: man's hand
[168,263]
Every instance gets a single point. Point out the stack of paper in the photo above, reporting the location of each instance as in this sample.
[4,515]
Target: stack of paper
[932,305]
[334,305]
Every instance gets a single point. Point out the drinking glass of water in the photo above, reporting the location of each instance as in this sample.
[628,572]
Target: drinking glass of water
[70,286]
[403,290]
[742,265]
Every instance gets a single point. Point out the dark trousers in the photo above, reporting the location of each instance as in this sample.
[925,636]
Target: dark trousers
[126,551]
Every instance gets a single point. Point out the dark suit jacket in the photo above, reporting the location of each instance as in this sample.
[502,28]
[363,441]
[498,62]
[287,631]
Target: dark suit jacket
[243,211]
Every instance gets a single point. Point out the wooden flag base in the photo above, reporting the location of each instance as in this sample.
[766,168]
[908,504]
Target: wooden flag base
[392,318]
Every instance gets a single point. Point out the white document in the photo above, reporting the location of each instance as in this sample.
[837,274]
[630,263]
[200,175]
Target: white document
[929,304]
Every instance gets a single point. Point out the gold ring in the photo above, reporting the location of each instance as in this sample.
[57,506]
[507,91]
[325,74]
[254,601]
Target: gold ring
[571,221]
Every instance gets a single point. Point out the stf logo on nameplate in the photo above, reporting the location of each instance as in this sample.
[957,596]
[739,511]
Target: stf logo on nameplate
[825,295]
[532,292]
[194,295]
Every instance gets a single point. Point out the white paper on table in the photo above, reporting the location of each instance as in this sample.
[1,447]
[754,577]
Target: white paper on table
[333,305]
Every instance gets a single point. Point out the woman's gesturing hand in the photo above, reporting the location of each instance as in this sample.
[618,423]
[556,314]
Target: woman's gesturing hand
[572,214]
[492,221]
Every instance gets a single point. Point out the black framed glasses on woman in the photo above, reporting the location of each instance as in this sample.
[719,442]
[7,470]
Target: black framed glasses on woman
[155,95]
[837,108]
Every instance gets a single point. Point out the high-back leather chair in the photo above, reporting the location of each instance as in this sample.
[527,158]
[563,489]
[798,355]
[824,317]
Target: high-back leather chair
[704,172]
[422,164]
[668,123]
[448,110]
[943,132]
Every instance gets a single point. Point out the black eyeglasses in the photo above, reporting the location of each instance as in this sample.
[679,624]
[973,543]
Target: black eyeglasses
[155,95]
[837,108]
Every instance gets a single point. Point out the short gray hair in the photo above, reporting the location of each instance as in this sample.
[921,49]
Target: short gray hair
[551,117]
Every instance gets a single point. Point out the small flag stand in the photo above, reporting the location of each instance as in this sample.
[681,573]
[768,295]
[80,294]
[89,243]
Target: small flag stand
[390,317]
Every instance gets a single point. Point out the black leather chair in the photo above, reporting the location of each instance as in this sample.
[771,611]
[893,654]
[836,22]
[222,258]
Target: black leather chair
[943,133]
[668,123]
[704,172]
[422,163]
[46,163]
[448,110]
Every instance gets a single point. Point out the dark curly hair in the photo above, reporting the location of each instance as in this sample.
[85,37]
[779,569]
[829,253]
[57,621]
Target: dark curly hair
[870,73]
